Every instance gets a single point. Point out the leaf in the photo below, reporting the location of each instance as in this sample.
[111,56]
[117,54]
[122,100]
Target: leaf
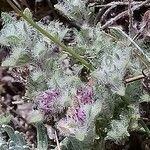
[23,59]
[18,57]
[35,116]
[134,91]
[17,141]
[71,143]
[27,13]
[7,19]
[42,138]
[4,118]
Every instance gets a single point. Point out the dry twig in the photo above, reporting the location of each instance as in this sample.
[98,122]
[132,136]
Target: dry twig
[139,77]
[117,4]
[123,14]
[58,144]
[130,13]
[107,12]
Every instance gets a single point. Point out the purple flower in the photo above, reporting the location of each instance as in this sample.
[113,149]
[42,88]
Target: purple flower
[78,115]
[47,101]
[85,95]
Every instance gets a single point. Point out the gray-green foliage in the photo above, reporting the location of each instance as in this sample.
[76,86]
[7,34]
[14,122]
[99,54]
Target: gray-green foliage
[41,137]
[16,140]
[72,144]
[111,55]
[75,9]
[5,118]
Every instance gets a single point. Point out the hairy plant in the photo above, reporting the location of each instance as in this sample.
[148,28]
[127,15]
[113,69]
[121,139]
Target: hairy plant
[100,108]
[10,139]
[16,140]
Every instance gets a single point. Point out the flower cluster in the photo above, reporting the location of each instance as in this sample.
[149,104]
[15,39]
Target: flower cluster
[85,95]
[47,101]
[75,122]
[83,99]
[78,114]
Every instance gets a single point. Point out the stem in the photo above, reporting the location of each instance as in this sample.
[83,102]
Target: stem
[58,144]
[139,77]
[145,127]
[134,78]
[55,40]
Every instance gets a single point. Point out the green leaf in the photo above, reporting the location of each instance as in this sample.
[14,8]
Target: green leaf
[42,138]
[35,116]
[23,59]
[134,91]
[27,13]
[5,118]
[71,143]
[17,141]
[7,19]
